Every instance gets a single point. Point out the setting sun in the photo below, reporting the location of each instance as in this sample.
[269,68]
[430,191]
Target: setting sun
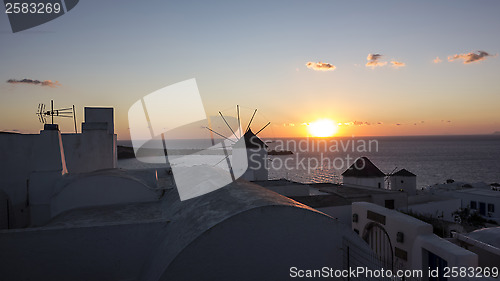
[322,128]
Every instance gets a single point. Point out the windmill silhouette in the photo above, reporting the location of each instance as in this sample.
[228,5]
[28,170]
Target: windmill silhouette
[243,141]
[388,178]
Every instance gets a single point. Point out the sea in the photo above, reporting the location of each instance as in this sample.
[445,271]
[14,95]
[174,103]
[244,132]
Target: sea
[434,159]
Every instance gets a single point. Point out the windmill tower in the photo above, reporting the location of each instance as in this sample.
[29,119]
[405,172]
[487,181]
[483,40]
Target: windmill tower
[388,178]
[403,180]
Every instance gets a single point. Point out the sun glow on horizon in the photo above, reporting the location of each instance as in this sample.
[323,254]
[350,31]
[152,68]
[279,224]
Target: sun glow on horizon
[322,128]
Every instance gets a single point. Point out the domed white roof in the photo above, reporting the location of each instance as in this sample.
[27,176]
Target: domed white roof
[489,236]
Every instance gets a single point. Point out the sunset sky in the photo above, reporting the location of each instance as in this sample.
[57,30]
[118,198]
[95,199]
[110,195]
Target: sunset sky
[375,67]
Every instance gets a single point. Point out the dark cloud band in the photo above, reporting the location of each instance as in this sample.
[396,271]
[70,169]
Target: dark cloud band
[34,82]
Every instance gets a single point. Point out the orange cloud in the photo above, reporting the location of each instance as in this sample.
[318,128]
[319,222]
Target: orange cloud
[320,66]
[437,60]
[374,60]
[397,64]
[470,57]
[357,123]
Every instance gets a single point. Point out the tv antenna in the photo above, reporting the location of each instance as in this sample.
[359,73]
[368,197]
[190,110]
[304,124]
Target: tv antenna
[42,113]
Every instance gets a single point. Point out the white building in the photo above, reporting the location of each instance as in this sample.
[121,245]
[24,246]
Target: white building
[403,180]
[32,163]
[364,173]
[403,242]
[484,242]
[485,202]
[435,206]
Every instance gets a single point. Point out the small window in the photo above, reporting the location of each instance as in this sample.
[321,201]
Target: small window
[402,181]
[389,204]
[473,205]
[491,208]
[354,217]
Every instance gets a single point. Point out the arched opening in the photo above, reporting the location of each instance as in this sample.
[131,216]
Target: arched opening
[378,239]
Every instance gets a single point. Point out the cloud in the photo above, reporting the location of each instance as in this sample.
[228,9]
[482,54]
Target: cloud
[356,123]
[35,82]
[320,66]
[470,57]
[397,64]
[437,60]
[374,60]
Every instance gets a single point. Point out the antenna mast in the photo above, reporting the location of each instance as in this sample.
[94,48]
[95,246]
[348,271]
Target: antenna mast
[63,112]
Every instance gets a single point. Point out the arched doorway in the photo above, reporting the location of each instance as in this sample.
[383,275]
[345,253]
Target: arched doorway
[375,235]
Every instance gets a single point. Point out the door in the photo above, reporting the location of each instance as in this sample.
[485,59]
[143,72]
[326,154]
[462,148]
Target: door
[378,239]
[436,262]
[482,208]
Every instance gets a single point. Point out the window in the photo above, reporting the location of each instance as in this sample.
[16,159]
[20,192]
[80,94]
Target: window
[491,208]
[402,181]
[354,217]
[389,204]
[473,205]
[375,217]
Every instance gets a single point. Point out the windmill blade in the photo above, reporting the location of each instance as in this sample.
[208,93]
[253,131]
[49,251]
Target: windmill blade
[251,119]
[219,134]
[228,125]
[239,123]
[390,174]
[263,128]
